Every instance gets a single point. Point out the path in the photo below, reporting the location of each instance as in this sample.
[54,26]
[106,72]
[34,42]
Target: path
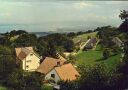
[82,47]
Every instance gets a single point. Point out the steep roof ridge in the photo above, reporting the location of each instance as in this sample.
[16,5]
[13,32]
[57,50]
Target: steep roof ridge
[22,52]
[118,39]
[64,75]
[48,64]
[26,51]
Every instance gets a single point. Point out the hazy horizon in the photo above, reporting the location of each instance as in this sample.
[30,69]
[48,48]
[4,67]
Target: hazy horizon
[41,16]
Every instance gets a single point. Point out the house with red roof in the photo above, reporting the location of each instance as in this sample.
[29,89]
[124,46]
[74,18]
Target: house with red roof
[58,69]
[29,59]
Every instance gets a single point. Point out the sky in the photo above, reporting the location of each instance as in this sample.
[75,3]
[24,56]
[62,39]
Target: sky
[42,15]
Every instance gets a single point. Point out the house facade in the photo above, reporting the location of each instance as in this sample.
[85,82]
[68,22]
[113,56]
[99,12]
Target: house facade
[57,69]
[53,75]
[48,64]
[64,72]
[117,41]
[30,60]
[89,44]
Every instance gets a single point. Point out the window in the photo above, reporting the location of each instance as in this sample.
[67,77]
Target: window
[28,61]
[27,66]
[31,54]
[53,75]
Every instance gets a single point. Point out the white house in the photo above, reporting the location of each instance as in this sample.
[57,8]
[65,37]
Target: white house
[30,60]
[57,69]
[89,44]
[48,64]
[117,41]
[64,72]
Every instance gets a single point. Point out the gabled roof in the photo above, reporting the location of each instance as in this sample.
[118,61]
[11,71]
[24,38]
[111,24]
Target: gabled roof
[116,38]
[92,40]
[48,64]
[21,53]
[67,72]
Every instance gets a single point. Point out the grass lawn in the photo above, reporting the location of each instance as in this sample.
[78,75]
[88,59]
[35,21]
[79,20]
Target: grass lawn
[95,56]
[88,57]
[47,87]
[3,88]
[84,37]
[113,61]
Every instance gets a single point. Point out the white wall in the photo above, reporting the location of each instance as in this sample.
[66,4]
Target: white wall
[48,76]
[32,61]
[117,42]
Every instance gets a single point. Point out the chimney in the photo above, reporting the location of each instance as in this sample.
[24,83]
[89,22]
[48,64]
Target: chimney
[58,63]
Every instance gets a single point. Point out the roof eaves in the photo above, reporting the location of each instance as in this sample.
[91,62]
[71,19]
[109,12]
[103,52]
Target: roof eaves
[57,73]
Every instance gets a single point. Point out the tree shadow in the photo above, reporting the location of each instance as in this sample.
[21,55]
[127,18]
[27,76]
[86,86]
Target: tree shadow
[101,59]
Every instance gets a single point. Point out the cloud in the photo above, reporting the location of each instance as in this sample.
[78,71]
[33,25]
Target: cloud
[5,14]
[116,2]
[51,15]
[82,5]
[94,17]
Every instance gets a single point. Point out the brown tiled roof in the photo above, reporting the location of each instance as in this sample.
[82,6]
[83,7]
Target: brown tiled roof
[48,64]
[21,53]
[67,72]
[18,50]
[92,40]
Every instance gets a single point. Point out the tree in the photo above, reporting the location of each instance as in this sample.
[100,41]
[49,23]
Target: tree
[123,68]
[106,35]
[106,54]
[25,40]
[69,85]
[93,78]
[69,45]
[116,50]
[19,32]
[7,62]
[89,37]
[5,41]
[25,80]
[42,48]
[124,26]
[107,31]
[71,34]
[51,44]
[15,79]
[33,81]
[71,59]
[123,14]
[98,77]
